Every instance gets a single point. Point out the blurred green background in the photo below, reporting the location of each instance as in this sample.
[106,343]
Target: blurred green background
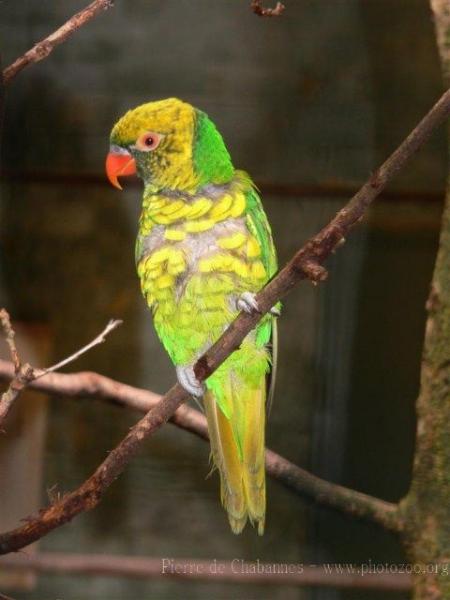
[309,104]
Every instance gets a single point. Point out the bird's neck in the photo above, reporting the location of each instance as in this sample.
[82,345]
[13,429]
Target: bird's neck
[202,209]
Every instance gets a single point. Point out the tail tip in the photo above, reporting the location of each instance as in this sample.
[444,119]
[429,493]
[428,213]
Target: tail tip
[261,525]
[238,524]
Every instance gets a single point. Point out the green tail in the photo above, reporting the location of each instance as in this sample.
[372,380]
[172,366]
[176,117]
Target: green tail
[237,445]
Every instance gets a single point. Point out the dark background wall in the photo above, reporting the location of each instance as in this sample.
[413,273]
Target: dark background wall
[309,104]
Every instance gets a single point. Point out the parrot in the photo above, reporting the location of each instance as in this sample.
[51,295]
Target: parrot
[204,248]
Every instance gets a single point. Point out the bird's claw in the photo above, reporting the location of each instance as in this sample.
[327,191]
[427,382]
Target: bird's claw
[188,380]
[248,303]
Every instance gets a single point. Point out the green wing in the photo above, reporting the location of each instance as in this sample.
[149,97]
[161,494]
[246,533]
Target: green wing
[259,227]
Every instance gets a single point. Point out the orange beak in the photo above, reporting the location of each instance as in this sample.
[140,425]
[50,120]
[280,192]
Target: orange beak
[119,165]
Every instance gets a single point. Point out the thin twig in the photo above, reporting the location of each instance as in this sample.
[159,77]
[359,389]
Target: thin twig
[5,320]
[100,339]
[24,374]
[20,381]
[305,264]
[261,11]
[193,569]
[43,48]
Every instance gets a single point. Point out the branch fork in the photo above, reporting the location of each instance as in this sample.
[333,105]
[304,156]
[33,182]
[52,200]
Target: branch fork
[24,373]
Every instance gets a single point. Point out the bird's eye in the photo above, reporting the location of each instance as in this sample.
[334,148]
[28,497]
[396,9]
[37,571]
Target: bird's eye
[148,141]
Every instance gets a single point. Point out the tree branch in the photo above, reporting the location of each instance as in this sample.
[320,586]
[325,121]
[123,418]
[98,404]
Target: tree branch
[305,264]
[24,374]
[43,48]
[426,507]
[10,335]
[332,495]
[100,339]
[192,569]
[303,483]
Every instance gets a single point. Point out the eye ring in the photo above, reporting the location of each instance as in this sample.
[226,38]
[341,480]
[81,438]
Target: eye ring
[148,141]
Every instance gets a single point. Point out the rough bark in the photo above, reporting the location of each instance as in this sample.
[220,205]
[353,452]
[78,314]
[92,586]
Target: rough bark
[426,508]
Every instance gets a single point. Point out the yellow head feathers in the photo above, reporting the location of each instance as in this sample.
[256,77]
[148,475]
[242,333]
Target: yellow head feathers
[174,146]
[170,165]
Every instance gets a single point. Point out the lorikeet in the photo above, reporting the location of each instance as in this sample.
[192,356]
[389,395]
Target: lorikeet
[203,249]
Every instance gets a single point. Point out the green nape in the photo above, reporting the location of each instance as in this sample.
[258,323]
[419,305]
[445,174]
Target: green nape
[212,163]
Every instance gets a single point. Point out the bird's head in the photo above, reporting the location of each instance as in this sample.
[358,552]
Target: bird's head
[170,145]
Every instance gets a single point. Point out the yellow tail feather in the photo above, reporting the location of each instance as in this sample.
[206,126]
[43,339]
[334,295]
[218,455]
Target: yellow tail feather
[237,446]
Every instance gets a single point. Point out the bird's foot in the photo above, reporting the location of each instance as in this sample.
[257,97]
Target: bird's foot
[188,380]
[248,303]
